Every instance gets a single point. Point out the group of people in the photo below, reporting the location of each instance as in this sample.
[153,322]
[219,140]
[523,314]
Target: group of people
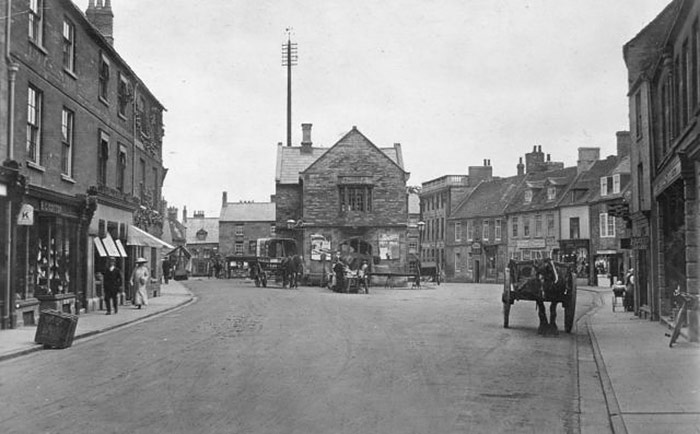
[112,281]
[342,272]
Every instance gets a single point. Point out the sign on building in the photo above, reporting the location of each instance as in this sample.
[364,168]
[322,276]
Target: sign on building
[26,215]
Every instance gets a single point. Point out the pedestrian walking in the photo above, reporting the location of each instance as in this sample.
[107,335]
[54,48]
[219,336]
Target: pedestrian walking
[363,274]
[112,281]
[166,269]
[139,283]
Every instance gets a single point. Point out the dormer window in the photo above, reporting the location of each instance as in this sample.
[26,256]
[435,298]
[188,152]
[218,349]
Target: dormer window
[528,196]
[610,185]
[201,235]
[551,193]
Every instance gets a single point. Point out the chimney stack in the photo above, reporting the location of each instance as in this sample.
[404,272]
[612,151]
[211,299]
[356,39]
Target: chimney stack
[102,18]
[624,143]
[521,167]
[184,215]
[477,174]
[306,138]
[224,198]
[587,158]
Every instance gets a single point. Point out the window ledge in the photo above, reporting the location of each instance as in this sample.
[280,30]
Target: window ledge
[39,47]
[36,166]
[67,178]
[70,73]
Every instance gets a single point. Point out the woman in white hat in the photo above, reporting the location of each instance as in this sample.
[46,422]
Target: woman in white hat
[139,281]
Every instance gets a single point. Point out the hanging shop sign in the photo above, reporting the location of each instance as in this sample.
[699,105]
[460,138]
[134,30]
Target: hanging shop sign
[26,215]
[667,176]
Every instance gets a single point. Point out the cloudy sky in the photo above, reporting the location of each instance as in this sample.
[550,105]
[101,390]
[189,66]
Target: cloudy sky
[454,81]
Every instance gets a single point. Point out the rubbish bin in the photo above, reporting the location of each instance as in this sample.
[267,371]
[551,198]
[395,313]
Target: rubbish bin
[56,329]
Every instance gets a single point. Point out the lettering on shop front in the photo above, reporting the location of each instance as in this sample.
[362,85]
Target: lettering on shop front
[51,207]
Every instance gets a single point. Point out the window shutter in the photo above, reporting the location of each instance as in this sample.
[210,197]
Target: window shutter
[616,183]
[603,186]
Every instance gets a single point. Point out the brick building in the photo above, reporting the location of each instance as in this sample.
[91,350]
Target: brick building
[663,63]
[202,236]
[85,135]
[350,197]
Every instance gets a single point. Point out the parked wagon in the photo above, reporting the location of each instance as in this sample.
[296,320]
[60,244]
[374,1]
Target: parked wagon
[541,280]
[276,260]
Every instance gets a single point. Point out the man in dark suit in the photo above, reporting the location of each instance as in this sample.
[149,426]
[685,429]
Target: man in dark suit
[112,285]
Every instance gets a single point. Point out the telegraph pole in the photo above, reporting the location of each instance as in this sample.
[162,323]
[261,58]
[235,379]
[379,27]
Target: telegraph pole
[289,59]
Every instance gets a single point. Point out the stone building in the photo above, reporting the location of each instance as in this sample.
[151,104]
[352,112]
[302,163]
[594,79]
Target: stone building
[202,235]
[241,224]
[349,198]
[83,159]
[663,63]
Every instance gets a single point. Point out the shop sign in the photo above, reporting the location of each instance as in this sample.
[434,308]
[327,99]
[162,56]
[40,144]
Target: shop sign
[51,207]
[667,177]
[531,244]
[640,243]
[26,215]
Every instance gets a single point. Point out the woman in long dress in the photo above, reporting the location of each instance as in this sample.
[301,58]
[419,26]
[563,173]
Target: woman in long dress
[139,281]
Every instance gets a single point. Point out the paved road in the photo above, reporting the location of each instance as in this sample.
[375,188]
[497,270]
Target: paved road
[267,360]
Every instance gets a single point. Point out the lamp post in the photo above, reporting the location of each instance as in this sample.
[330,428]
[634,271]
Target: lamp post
[421,225]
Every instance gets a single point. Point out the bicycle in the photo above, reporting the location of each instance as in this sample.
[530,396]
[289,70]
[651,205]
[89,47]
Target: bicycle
[689,302]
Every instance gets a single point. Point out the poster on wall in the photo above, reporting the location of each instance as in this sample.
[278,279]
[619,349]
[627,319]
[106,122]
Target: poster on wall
[320,244]
[389,246]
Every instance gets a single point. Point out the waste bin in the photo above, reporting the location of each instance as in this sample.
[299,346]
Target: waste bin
[56,329]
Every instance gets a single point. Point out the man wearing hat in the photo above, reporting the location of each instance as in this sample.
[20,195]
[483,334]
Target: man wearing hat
[139,281]
[112,285]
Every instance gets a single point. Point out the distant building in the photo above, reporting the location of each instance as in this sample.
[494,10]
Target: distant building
[202,241]
[241,224]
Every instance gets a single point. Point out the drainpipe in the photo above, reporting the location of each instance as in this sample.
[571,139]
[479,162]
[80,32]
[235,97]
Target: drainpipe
[12,69]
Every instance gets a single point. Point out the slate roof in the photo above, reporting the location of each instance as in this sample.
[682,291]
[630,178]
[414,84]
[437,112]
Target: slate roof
[488,198]
[174,232]
[559,178]
[209,224]
[291,161]
[584,188]
[248,212]
[620,166]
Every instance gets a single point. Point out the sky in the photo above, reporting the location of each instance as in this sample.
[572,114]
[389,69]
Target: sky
[454,81]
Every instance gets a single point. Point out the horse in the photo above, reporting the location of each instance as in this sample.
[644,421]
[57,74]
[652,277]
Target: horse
[545,280]
[292,268]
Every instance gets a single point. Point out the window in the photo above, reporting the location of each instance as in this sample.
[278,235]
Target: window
[104,79]
[640,185]
[251,247]
[239,230]
[458,261]
[485,231]
[238,248]
[67,124]
[610,185]
[497,230]
[68,46]
[273,229]
[684,88]
[142,185]
[607,225]
[528,196]
[102,158]
[122,96]
[458,231]
[550,225]
[154,197]
[638,113]
[538,225]
[201,235]
[470,230]
[121,167]
[526,226]
[34,102]
[574,228]
[355,198]
[551,193]
[515,227]
[36,21]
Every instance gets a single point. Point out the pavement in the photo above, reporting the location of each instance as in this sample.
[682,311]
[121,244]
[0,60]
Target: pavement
[647,386]
[20,341]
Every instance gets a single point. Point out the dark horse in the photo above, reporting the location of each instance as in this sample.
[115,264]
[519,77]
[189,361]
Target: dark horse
[292,268]
[544,280]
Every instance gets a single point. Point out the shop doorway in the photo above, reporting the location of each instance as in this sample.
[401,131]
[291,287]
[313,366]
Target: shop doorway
[477,272]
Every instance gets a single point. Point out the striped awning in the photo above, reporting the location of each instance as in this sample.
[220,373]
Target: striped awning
[138,237]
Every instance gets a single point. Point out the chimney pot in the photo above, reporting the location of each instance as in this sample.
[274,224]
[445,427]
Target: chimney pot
[548,158]
[539,148]
[224,198]
[534,148]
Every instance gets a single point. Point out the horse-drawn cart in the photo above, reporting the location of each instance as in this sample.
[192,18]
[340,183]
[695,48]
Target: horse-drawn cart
[276,260]
[541,280]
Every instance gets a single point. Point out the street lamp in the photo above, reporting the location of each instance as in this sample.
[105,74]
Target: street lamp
[421,225]
[290,224]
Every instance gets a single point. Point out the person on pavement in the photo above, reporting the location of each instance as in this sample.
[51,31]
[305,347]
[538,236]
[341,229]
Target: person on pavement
[166,270]
[139,282]
[112,285]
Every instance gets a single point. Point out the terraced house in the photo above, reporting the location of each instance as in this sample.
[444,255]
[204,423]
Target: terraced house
[83,171]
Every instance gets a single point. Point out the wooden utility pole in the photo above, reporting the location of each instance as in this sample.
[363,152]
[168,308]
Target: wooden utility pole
[289,59]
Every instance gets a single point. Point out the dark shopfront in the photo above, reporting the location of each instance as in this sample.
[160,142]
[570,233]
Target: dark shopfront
[672,236]
[578,252]
[48,257]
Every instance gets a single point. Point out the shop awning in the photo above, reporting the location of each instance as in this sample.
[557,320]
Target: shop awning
[100,247]
[138,237]
[120,247]
[110,246]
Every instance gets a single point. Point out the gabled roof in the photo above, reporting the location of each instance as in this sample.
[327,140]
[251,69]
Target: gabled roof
[174,232]
[619,166]
[208,224]
[587,183]
[248,212]
[291,161]
[559,178]
[488,198]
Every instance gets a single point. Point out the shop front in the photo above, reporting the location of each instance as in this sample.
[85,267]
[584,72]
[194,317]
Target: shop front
[577,252]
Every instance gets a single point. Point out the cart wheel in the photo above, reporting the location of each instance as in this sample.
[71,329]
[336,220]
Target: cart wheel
[570,310]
